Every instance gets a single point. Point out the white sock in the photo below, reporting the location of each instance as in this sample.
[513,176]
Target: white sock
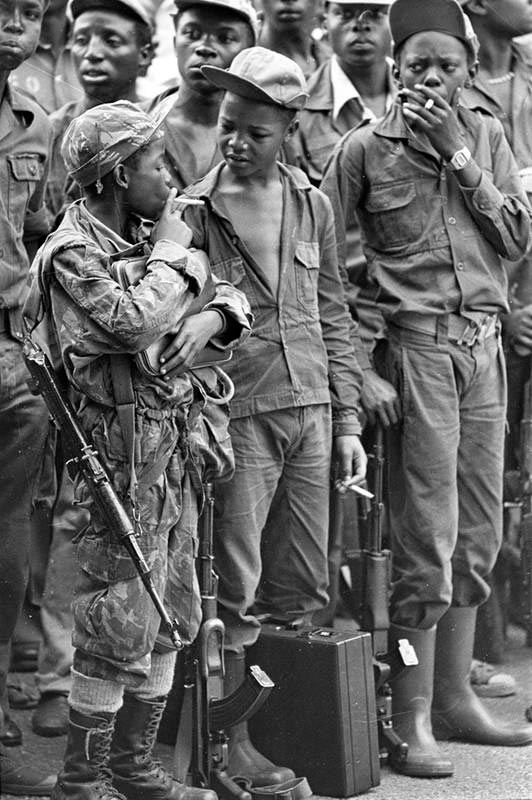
[161,677]
[90,695]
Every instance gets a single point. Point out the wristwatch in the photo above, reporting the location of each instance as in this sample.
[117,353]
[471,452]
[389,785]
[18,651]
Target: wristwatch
[460,159]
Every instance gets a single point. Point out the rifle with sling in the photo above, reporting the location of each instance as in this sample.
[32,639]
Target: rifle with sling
[201,751]
[366,596]
[82,457]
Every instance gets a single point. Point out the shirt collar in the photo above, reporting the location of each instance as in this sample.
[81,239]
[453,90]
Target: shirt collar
[206,186]
[344,90]
[20,104]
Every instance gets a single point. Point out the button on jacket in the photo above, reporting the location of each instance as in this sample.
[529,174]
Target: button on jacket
[299,352]
[432,246]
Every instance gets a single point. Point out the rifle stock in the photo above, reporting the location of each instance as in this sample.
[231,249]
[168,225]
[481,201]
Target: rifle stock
[82,455]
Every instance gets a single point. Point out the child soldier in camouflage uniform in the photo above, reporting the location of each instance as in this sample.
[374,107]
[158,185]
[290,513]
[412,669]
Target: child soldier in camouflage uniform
[123,666]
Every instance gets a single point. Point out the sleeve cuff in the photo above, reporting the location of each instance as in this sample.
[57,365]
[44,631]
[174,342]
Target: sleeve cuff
[346,426]
[182,260]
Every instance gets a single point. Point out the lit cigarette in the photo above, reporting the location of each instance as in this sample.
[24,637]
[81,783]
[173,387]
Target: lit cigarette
[360,490]
[189,201]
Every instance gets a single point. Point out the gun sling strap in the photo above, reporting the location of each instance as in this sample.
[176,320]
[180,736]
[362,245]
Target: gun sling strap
[124,396]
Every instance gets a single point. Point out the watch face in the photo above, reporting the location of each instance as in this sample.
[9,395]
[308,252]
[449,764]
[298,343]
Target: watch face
[460,159]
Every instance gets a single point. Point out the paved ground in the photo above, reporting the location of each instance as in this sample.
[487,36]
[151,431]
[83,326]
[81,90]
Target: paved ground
[482,773]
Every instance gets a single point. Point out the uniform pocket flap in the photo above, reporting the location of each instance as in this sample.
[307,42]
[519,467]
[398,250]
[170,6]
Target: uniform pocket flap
[389,196]
[26,167]
[307,253]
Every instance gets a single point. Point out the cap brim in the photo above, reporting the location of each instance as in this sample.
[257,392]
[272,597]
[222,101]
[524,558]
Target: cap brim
[237,85]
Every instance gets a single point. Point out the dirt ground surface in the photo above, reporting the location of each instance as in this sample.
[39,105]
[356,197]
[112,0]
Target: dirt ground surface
[481,772]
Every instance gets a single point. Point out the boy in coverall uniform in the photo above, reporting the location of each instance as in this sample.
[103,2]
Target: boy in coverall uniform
[123,667]
[439,200]
[268,231]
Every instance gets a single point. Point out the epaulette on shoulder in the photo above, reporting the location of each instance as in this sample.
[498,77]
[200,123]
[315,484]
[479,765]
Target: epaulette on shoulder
[476,110]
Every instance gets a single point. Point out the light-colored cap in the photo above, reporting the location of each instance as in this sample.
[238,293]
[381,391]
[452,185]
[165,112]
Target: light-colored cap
[243,8]
[141,10]
[262,75]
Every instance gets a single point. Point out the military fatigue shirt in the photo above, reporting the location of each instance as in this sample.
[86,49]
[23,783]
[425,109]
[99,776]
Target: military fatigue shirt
[299,352]
[50,81]
[432,246]
[95,317]
[24,145]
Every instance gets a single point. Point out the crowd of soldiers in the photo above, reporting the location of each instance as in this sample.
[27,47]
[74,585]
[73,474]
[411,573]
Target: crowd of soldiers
[340,192]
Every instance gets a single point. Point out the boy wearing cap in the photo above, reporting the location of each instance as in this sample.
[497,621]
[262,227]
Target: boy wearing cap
[123,666]
[268,231]
[438,197]
[207,32]
[24,145]
[111,47]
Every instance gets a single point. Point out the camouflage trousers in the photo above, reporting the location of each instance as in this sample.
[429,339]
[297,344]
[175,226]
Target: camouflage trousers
[116,626]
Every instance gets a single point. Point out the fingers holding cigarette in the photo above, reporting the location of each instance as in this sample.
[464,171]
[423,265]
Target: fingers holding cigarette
[351,485]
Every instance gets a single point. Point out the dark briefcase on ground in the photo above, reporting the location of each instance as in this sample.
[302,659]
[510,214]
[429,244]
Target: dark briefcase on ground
[321,718]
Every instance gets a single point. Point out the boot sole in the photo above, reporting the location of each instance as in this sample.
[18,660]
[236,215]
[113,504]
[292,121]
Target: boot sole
[31,790]
[443,732]
[420,770]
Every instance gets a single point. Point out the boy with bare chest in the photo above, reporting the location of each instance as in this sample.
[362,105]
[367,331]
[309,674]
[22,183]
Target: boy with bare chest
[269,232]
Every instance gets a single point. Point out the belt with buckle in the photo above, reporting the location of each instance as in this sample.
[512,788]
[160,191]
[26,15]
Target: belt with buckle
[451,326]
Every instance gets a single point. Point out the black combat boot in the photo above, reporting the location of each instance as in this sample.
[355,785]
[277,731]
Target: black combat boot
[244,760]
[457,713]
[411,704]
[85,774]
[136,774]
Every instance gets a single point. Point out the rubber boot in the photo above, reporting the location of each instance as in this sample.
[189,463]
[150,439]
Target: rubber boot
[136,774]
[411,702]
[244,760]
[457,712]
[85,774]
[20,778]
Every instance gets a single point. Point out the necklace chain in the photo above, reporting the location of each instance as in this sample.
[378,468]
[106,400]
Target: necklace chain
[502,79]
